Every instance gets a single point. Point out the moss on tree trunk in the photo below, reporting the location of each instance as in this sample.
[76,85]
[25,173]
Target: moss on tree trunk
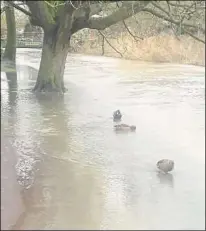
[53,59]
[10,49]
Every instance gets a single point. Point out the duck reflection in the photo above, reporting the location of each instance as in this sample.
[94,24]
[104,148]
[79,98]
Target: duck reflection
[12,86]
[166,179]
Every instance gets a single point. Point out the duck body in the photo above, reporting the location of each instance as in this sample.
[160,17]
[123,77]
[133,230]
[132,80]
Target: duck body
[117,115]
[165,165]
[124,127]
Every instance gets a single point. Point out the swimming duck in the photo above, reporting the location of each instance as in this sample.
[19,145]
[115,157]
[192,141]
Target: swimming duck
[124,127]
[165,165]
[117,115]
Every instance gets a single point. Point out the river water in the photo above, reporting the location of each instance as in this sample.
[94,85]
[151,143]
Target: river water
[64,167]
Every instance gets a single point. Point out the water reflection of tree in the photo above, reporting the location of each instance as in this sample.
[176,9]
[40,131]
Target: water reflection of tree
[11,201]
[12,89]
[65,194]
[12,101]
[27,75]
[11,194]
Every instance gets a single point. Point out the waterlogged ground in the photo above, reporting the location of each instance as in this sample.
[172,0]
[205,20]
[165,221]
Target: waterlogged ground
[63,166]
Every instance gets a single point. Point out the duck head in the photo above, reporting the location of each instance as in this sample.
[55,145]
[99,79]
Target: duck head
[117,115]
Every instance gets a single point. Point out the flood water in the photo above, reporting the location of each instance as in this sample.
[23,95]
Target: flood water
[64,167]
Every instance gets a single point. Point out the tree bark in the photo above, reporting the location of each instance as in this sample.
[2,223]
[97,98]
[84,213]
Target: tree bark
[10,49]
[54,53]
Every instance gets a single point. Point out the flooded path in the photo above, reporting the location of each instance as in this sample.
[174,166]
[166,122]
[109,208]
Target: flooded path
[74,172]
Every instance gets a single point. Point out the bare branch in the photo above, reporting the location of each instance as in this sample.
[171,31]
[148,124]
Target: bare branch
[70,2]
[134,36]
[193,36]
[20,8]
[128,30]
[183,6]
[179,22]
[160,8]
[42,14]
[127,9]
[110,44]
[102,44]
[168,13]
[167,18]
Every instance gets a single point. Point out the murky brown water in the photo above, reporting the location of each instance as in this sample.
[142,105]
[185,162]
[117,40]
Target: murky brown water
[74,172]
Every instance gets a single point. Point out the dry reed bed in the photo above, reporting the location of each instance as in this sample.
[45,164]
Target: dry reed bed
[160,48]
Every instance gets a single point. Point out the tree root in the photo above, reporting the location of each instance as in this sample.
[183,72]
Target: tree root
[49,87]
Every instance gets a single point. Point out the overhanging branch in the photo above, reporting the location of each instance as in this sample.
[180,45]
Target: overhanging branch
[168,19]
[128,30]
[178,23]
[127,9]
[41,14]
[193,36]
[20,8]
[160,8]
[110,44]
[183,6]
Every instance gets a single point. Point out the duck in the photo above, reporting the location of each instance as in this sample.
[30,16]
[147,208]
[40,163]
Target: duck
[165,165]
[124,127]
[117,115]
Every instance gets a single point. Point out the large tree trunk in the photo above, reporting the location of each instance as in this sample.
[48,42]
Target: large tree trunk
[54,53]
[10,49]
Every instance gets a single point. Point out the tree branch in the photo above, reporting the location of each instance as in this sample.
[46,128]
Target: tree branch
[160,8]
[183,6]
[151,11]
[127,9]
[20,8]
[80,18]
[42,14]
[128,30]
[168,13]
[193,36]
[178,23]
[95,9]
[110,44]
[102,44]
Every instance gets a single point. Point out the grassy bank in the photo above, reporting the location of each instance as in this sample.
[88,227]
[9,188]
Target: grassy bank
[158,48]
